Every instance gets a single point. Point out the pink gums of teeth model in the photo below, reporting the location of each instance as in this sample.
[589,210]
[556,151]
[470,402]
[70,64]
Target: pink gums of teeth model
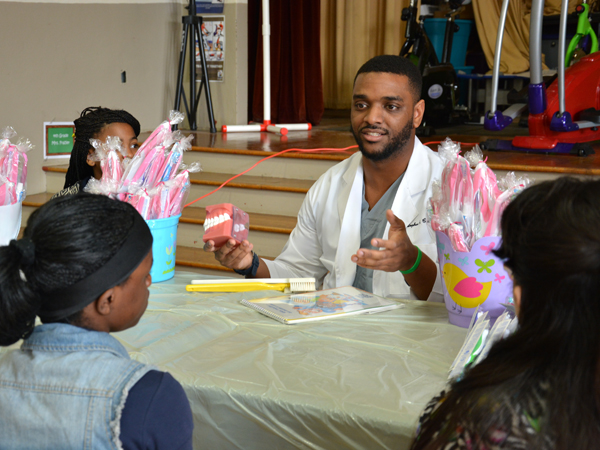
[223,222]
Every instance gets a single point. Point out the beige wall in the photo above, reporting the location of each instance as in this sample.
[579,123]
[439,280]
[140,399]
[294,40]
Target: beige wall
[230,98]
[57,58]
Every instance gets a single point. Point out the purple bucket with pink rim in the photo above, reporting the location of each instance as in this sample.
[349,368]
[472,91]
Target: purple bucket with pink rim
[474,278]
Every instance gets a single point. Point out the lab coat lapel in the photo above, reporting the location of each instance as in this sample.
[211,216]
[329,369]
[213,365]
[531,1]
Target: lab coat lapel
[415,181]
[349,212]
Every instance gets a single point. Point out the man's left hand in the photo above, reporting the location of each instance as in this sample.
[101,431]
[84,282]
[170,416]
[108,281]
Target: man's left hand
[397,252]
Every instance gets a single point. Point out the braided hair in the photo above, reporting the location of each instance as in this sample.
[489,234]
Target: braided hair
[89,125]
[61,245]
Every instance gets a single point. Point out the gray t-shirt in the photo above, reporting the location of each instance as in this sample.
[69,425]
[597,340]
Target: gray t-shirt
[372,225]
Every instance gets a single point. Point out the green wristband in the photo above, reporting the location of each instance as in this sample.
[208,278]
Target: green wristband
[415,265]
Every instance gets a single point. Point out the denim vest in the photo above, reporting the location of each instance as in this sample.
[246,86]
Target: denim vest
[65,389]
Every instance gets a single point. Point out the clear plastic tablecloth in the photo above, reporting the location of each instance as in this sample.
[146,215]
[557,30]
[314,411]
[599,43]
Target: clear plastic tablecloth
[356,382]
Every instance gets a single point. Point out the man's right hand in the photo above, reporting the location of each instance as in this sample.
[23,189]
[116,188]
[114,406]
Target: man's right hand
[232,255]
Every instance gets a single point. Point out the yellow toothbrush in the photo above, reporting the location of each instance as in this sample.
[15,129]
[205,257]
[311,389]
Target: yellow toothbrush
[285,285]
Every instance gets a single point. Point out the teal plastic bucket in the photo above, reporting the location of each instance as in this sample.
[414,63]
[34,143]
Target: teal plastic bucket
[164,233]
[436,29]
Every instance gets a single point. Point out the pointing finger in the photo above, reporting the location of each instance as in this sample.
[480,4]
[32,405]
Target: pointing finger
[395,222]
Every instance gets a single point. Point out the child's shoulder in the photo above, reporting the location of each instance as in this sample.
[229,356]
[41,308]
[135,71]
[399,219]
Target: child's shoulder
[157,408]
[72,190]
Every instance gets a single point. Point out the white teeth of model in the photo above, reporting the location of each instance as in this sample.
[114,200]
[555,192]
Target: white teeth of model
[236,228]
[215,220]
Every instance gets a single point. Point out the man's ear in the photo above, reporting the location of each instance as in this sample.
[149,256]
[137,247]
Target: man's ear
[89,159]
[418,112]
[105,303]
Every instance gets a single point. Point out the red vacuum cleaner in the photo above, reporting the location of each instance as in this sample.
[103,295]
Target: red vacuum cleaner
[564,117]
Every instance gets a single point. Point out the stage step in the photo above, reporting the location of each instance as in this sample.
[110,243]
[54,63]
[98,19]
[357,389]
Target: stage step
[271,201]
[299,166]
[253,194]
[268,234]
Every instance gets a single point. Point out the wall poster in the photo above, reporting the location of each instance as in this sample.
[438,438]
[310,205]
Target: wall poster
[213,34]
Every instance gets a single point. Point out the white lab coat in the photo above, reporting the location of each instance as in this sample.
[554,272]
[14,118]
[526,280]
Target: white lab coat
[328,229]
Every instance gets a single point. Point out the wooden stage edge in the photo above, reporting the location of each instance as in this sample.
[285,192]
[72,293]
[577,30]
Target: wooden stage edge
[265,144]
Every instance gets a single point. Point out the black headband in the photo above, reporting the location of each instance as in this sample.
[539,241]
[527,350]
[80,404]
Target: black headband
[62,303]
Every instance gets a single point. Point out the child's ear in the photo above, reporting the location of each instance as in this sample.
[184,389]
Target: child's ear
[517,298]
[89,159]
[104,304]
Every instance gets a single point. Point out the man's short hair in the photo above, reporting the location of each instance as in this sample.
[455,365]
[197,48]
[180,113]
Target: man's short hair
[397,65]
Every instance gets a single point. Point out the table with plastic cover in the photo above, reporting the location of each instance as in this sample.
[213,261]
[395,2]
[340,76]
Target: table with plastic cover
[355,382]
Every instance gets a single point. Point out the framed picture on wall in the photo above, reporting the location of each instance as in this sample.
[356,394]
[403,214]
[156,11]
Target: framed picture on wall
[58,139]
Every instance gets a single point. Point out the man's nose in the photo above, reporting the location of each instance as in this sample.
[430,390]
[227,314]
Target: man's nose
[374,115]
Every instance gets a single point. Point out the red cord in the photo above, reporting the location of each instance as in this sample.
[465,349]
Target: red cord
[461,143]
[302,150]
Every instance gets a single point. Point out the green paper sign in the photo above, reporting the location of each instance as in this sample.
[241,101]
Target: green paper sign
[58,139]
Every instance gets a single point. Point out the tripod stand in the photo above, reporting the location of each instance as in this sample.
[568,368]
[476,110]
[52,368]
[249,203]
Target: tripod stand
[193,22]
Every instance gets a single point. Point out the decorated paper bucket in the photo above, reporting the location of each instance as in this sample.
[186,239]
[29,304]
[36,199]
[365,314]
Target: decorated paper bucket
[164,232]
[10,222]
[474,278]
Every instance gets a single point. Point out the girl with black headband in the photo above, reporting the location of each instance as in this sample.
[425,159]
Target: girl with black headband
[71,384]
[97,123]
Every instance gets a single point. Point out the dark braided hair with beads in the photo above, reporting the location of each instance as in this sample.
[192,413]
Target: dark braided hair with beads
[90,123]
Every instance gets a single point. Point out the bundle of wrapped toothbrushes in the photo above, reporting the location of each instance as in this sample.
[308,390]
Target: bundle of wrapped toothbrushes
[467,204]
[481,336]
[13,167]
[155,181]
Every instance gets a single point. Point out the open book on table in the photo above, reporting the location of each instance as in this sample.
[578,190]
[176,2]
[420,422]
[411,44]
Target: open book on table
[319,305]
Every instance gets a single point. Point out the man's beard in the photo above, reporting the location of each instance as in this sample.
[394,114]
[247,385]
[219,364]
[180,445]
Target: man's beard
[395,145]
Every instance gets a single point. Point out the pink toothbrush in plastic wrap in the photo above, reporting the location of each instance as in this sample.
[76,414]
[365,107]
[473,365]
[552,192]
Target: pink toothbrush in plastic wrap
[466,205]
[513,186]
[175,158]
[13,168]
[154,181]
[138,170]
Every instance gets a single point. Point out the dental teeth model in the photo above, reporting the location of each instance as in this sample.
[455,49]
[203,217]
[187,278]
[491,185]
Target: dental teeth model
[223,222]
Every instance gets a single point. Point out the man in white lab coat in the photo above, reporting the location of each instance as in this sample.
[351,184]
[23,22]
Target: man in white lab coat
[364,222]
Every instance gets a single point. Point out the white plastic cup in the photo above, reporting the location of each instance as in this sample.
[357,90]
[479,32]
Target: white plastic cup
[10,222]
